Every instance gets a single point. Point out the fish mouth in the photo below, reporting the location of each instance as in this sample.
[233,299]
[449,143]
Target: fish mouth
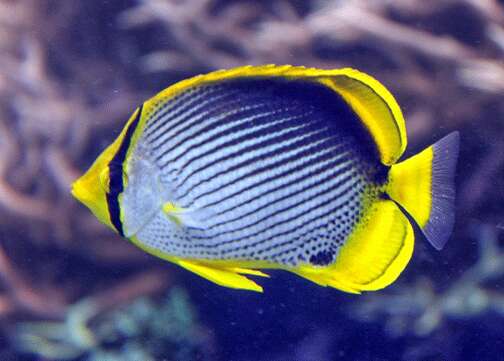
[76,192]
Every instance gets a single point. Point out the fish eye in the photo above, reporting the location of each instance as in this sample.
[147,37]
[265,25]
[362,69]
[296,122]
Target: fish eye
[117,179]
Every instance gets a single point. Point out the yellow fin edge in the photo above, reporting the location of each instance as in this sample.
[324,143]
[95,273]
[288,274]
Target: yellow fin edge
[374,255]
[222,276]
[372,258]
[377,109]
[372,102]
[225,274]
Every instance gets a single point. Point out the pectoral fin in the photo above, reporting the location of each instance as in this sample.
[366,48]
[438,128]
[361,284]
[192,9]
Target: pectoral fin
[186,217]
[227,277]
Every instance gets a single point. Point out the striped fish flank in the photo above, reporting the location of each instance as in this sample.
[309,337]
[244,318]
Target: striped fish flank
[274,167]
[280,177]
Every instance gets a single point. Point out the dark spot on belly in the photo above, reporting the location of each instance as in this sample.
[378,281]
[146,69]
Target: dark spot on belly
[322,258]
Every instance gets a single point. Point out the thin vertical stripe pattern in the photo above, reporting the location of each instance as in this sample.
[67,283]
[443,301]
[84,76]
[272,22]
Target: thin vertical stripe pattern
[280,170]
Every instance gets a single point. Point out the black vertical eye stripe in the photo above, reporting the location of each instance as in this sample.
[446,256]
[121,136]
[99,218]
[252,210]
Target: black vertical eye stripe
[116,171]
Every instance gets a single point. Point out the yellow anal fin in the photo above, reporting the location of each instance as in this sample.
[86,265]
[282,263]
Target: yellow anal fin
[379,248]
[227,277]
[324,278]
[374,255]
[248,271]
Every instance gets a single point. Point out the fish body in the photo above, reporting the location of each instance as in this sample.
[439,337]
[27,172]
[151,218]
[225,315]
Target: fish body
[274,167]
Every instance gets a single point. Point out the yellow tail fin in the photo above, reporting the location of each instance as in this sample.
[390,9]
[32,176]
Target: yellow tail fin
[424,186]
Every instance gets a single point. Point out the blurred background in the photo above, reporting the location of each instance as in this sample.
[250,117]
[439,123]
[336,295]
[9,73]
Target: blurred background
[71,72]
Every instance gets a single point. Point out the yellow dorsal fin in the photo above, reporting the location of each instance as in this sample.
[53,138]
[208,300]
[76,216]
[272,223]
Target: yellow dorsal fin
[371,101]
[374,255]
[227,277]
[377,109]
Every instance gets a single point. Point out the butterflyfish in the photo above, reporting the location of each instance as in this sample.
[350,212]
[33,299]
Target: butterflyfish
[243,170]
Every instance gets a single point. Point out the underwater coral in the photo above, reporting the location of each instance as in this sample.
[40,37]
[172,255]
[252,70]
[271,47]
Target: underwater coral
[141,330]
[72,72]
